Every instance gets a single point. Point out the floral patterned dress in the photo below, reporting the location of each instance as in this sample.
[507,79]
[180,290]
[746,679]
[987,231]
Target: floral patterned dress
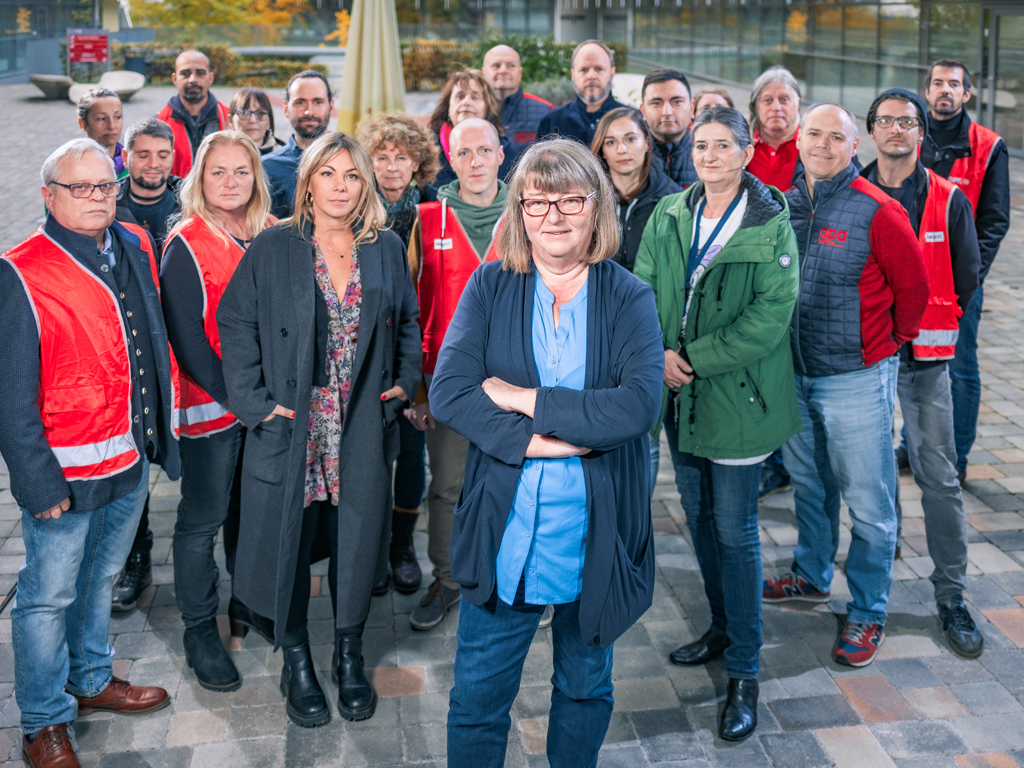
[327,404]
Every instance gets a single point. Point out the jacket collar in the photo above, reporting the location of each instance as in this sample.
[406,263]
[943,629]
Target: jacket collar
[762,203]
[962,143]
[183,115]
[825,189]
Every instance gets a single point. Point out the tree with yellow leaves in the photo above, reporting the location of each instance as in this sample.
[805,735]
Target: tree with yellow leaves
[269,16]
[344,20]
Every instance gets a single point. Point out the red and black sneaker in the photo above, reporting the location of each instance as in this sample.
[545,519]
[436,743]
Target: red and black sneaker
[792,588]
[858,644]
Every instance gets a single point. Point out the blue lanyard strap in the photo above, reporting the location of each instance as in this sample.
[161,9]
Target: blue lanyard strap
[696,252]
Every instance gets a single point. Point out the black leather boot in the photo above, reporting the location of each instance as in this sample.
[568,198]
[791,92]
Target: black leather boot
[405,567]
[136,576]
[304,699]
[710,646]
[356,698]
[205,654]
[241,619]
[740,716]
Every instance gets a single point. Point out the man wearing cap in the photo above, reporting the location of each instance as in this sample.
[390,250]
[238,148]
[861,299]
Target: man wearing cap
[941,215]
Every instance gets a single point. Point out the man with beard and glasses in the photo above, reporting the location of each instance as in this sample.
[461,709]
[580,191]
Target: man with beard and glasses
[593,67]
[307,105]
[194,112]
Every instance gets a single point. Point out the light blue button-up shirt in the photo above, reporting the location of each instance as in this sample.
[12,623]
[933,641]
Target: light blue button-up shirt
[545,537]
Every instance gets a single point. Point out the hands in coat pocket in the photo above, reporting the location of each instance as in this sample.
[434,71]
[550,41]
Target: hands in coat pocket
[279,410]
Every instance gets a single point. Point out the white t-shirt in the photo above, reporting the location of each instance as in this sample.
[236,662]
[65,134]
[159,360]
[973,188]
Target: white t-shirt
[730,228]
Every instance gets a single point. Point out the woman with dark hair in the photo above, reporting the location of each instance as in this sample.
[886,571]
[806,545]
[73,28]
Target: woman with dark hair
[556,406]
[722,260]
[623,143]
[467,94]
[321,348]
[99,115]
[251,113]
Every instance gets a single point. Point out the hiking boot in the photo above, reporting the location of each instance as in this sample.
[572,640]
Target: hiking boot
[136,576]
[434,606]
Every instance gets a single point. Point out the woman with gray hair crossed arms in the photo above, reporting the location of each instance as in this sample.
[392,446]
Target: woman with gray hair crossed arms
[556,405]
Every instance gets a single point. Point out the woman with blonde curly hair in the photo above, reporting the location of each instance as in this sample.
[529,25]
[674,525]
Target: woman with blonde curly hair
[467,94]
[321,349]
[224,204]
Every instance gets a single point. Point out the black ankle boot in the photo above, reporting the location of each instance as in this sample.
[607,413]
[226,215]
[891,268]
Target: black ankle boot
[136,576]
[241,619]
[205,653]
[356,698]
[740,716]
[404,565]
[304,699]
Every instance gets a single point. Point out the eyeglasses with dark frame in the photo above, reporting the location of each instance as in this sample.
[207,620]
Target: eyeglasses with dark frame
[906,123]
[567,206]
[83,190]
[245,114]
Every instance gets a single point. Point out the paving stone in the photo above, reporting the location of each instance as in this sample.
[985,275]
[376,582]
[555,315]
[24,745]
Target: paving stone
[989,698]
[425,708]
[666,735]
[795,750]
[371,746]
[953,669]
[253,753]
[746,754]
[620,729]
[320,747]
[928,762]
[425,742]
[991,732]
[908,673]
[986,760]
[192,728]
[813,712]
[622,757]
[1007,667]
[398,681]
[814,682]
[176,757]
[906,647]
[915,738]
[1009,621]
[990,559]
[853,747]
[875,699]
[934,703]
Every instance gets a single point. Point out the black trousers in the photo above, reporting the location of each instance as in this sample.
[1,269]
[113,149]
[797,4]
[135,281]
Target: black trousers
[319,527]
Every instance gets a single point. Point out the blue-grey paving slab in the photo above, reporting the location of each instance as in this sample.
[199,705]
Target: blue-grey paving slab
[1018,755]
[989,733]
[927,762]
[814,712]
[173,757]
[620,730]
[746,754]
[953,669]
[666,735]
[795,750]
[372,746]
[908,673]
[320,747]
[915,739]
[623,757]
[988,698]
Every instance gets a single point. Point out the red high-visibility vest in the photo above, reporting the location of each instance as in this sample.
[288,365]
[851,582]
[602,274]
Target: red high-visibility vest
[940,325]
[448,260]
[85,378]
[968,173]
[182,145]
[215,262]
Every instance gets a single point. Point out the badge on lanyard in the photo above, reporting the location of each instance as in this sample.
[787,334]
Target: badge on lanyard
[442,244]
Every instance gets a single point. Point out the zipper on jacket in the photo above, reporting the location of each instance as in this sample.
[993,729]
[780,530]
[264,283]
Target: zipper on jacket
[721,285]
[803,265]
[756,391]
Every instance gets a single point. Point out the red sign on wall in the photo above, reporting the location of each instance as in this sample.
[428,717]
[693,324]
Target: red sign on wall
[87,46]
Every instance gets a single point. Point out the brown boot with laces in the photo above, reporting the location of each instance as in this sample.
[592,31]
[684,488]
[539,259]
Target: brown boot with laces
[49,748]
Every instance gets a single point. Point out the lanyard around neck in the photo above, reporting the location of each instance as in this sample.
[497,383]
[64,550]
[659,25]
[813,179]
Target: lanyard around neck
[696,252]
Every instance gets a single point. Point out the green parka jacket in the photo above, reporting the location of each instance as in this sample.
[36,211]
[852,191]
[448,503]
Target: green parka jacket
[742,402]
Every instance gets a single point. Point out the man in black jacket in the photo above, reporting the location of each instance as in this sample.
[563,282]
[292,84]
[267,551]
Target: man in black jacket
[976,160]
[593,67]
[667,106]
[942,218]
[520,112]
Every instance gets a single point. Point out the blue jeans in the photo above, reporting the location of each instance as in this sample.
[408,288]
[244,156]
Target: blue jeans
[720,502]
[493,644]
[845,449]
[965,381]
[61,618]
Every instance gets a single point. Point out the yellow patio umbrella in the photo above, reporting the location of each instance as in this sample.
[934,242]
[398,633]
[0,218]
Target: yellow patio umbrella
[372,79]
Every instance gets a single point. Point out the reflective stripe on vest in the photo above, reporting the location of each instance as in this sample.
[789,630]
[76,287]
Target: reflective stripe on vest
[85,387]
[968,173]
[182,144]
[941,321]
[215,262]
[448,259]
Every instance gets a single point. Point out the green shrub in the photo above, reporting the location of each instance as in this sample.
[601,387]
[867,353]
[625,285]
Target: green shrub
[557,90]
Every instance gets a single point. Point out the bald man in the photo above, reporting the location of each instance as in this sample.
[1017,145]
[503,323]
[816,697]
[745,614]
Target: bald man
[520,112]
[455,235]
[593,67]
[194,112]
[863,291]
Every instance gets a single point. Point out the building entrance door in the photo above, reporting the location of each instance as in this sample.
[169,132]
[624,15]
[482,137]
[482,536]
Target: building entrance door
[1003,81]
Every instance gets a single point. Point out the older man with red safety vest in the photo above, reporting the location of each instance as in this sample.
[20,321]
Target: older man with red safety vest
[977,161]
[194,112]
[89,389]
[453,237]
[941,215]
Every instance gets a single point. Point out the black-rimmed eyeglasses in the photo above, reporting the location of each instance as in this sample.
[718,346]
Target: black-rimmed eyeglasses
[906,123]
[80,191]
[259,114]
[567,206]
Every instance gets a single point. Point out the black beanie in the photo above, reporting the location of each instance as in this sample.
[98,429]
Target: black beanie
[922,110]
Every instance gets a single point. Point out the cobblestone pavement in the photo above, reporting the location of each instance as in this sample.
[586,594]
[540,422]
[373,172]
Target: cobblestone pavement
[917,706]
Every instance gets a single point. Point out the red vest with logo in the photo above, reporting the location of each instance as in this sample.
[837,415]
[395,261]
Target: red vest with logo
[940,325]
[85,379]
[968,173]
[448,260]
[182,145]
[215,261]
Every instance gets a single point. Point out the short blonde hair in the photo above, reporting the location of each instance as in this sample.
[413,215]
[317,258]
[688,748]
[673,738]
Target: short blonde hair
[369,215]
[560,167]
[193,201]
[408,135]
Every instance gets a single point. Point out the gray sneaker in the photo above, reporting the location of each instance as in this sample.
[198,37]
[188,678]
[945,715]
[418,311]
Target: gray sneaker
[963,634]
[434,606]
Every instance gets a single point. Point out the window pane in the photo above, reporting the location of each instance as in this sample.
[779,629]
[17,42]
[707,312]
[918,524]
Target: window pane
[898,34]
[954,32]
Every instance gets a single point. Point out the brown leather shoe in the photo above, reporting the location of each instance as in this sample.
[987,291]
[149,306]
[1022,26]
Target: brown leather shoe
[122,697]
[51,748]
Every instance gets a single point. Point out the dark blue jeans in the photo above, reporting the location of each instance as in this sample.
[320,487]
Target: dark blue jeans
[488,666]
[965,381]
[720,502]
[410,469]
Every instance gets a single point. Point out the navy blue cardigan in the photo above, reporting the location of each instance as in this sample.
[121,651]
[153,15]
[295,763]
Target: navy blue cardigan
[491,335]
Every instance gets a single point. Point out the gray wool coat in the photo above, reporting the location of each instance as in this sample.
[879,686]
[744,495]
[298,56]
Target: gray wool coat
[268,333]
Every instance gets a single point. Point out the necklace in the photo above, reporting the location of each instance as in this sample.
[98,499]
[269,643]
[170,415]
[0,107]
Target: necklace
[340,254]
